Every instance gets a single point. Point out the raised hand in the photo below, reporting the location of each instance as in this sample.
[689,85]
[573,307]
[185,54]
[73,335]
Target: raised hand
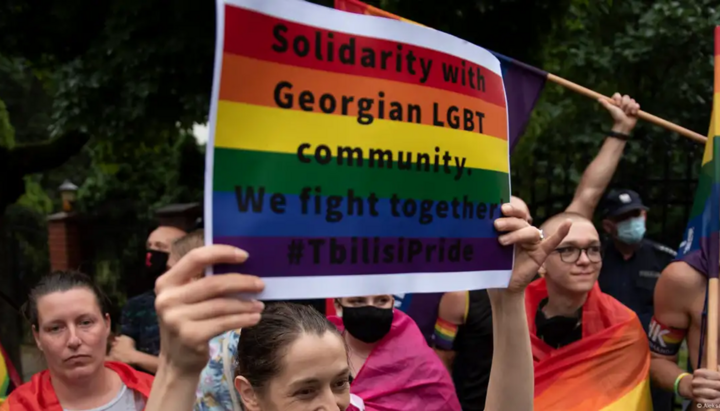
[191,313]
[531,247]
[624,111]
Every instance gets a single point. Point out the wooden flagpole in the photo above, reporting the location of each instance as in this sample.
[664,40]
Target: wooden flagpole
[712,325]
[641,115]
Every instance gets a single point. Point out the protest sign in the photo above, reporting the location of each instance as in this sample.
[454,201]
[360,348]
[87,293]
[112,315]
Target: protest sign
[354,155]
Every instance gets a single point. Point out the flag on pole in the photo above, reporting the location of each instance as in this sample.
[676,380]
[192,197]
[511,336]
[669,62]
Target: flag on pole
[523,83]
[700,247]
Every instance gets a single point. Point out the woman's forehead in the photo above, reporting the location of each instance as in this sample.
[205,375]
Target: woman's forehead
[313,356]
[63,304]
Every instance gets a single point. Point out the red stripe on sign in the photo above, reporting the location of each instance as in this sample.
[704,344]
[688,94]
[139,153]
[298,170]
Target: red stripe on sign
[252,34]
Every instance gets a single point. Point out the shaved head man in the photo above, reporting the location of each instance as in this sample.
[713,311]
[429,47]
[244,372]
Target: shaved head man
[571,272]
[567,310]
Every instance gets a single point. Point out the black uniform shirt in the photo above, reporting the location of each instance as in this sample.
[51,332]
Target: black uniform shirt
[632,281]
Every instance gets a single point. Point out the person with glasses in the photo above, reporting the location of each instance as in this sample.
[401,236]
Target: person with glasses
[590,351]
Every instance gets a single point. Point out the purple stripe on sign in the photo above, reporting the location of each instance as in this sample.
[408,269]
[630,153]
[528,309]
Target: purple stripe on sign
[312,256]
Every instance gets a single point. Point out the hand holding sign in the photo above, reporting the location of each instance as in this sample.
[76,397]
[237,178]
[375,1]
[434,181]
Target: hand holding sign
[532,248]
[192,312]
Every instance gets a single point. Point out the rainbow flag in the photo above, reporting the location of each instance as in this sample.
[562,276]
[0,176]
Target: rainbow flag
[608,369]
[353,155]
[523,83]
[9,378]
[403,373]
[700,247]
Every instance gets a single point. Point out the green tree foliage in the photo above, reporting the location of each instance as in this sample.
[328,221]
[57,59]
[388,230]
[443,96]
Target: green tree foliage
[660,52]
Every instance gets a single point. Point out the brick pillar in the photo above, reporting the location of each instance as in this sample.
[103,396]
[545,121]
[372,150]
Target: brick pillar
[64,241]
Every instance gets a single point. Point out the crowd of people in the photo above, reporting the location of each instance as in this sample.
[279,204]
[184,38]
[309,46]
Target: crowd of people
[587,320]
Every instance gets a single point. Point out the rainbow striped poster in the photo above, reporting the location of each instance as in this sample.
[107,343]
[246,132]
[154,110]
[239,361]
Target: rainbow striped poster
[354,155]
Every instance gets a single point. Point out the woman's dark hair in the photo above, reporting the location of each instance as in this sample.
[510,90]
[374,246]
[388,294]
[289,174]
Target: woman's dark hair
[262,347]
[60,281]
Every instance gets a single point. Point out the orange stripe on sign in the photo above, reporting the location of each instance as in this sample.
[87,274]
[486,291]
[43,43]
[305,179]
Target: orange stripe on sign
[258,82]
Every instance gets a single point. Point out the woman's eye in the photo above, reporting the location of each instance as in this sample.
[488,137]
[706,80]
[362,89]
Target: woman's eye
[342,383]
[304,392]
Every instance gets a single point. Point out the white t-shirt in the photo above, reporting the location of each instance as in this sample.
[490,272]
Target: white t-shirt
[126,400]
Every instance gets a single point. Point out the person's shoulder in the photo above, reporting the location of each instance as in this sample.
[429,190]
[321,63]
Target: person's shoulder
[660,248]
[678,287]
[29,393]
[141,300]
[614,308]
[681,275]
[134,379]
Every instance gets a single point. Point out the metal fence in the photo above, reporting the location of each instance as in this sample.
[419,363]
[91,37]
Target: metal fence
[663,170]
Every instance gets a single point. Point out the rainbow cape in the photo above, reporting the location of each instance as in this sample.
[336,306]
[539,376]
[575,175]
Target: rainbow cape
[701,241]
[608,369]
[402,373]
[39,395]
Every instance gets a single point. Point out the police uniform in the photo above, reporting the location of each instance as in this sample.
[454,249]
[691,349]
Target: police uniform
[632,281]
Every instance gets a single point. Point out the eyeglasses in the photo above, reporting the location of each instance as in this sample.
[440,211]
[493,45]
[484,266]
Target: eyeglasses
[572,254]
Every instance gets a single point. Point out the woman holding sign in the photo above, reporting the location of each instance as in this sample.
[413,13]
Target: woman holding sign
[308,369]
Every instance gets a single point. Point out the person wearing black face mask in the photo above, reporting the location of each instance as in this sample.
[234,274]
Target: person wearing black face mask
[139,342]
[386,349]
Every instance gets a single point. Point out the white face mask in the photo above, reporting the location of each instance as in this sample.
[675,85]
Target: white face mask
[632,230]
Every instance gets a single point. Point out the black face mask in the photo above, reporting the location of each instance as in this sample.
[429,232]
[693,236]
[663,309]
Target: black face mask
[368,324]
[155,264]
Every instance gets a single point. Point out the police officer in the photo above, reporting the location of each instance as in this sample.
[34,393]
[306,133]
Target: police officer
[632,264]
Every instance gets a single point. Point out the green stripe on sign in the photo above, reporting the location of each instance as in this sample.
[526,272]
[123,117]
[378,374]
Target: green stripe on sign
[284,173]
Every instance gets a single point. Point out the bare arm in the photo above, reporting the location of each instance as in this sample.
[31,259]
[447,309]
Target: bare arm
[599,173]
[186,325]
[512,386]
[452,313]
[172,389]
[147,362]
[674,294]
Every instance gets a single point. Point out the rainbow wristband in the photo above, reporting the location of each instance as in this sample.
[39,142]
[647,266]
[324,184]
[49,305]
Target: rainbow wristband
[677,382]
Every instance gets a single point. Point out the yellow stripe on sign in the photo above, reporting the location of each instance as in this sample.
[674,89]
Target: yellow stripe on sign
[636,400]
[250,127]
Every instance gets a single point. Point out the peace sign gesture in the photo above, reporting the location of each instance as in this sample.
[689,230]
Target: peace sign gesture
[532,248]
